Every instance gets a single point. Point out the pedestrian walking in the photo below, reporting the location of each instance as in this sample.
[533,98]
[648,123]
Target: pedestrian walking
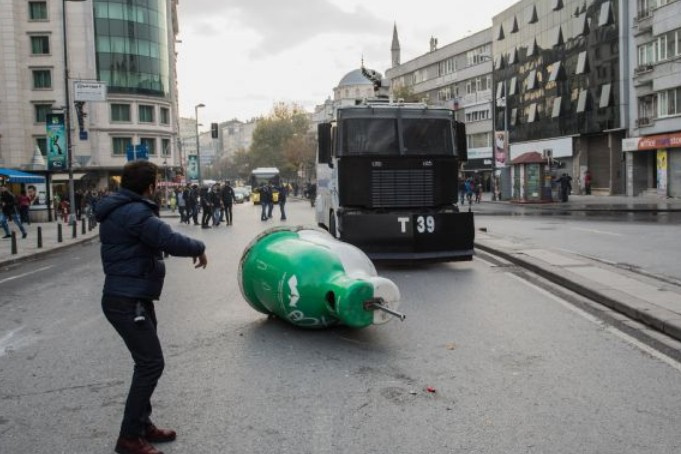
[228,198]
[133,241]
[265,199]
[216,202]
[24,205]
[181,205]
[9,212]
[462,189]
[565,182]
[283,194]
[193,204]
[587,182]
[206,208]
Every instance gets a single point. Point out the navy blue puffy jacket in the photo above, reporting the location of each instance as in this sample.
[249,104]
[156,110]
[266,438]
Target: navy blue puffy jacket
[133,241]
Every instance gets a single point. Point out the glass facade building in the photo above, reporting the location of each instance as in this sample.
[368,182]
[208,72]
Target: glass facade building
[559,62]
[131,41]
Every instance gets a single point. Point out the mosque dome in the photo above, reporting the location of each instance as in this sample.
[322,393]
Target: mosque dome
[354,78]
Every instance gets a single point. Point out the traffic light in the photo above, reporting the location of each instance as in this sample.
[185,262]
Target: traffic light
[214,130]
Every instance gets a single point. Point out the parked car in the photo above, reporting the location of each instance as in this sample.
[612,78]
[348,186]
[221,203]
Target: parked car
[242,194]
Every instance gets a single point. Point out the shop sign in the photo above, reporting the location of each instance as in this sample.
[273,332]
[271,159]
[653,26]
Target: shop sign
[655,142]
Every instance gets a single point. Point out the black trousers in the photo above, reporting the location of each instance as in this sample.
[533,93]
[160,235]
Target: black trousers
[145,348]
[228,214]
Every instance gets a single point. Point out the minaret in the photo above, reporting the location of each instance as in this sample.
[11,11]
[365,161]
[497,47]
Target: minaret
[395,48]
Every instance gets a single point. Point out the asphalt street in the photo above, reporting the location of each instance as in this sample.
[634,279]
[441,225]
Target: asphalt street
[513,368]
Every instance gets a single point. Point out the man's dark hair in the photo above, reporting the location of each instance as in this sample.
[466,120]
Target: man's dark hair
[138,175]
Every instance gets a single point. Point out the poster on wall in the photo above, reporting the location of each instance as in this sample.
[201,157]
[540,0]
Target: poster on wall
[500,149]
[192,167]
[56,142]
[662,172]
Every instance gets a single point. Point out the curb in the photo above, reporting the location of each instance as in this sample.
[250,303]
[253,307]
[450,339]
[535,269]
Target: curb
[43,253]
[651,318]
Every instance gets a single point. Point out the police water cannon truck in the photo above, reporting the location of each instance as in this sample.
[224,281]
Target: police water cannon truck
[387,179]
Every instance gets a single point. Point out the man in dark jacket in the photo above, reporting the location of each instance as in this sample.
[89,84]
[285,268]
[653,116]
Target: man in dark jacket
[228,197]
[133,240]
[9,211]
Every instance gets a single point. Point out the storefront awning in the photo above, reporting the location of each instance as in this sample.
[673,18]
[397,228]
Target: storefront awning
[17,176]
[58,177]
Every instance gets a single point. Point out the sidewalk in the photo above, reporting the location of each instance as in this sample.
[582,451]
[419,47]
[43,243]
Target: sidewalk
[28,248]
[597,203]
[654,303]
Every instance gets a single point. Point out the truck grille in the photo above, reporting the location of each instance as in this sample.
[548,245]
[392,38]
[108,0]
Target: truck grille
[402,188]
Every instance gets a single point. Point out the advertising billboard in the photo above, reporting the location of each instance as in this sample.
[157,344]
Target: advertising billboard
[56,142]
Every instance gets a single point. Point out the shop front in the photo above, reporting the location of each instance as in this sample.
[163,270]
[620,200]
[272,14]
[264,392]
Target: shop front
[532,178]
[654,165]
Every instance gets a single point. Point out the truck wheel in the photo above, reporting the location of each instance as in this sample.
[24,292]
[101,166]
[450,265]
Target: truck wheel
[332,224]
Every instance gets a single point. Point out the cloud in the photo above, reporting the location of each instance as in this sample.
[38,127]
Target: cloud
[281,25]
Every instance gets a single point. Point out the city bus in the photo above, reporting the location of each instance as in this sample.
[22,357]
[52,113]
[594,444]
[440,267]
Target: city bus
[265,175]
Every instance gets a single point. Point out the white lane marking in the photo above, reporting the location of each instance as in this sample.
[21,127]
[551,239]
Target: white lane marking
[19,276]
[602,232]
[611,329]
[11,341]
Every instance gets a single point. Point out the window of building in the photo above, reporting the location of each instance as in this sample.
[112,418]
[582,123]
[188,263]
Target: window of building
[581,25]
[165,147]
[557,101]
[532,113]
[514,25]
[514,116]
[37,10]
[556,36]
[120,112]
[532,17]
[512,86]
[669,102]
[606,96]
[498,62]
[41,111]
[500,33]
[555,72]
[583,101]
[531,80]
[605,16]
[556,5]
[480,140]
[120,145]
[647,109]
[146,114]
[150,143]
[666,46]
[647,53]
[42,78]
[165,116]
[40,45]
[582,63]
[531,47]
[500,90]
[41,143]
[513,56]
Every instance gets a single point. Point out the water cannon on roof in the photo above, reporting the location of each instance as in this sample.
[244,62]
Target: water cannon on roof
[381,88]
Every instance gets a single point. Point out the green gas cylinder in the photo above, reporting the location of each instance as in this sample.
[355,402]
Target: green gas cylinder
[305,276]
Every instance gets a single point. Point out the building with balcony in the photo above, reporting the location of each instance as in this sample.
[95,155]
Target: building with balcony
[653,145]
[129,46]
[457,76]
[562,85]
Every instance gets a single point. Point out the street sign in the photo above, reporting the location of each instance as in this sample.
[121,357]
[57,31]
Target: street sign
[89,90]
[139,151]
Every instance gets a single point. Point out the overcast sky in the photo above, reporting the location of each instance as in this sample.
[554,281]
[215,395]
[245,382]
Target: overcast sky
[239,57]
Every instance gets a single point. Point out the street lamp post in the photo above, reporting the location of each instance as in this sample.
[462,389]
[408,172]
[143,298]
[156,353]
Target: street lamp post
[198,147]
[67,117]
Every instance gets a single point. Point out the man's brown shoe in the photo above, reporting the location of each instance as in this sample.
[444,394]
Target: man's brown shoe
[156,435]
[137,445]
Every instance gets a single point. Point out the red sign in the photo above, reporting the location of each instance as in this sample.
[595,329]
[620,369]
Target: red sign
[660,141]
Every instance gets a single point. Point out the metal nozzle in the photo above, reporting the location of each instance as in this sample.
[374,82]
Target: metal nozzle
[379,304]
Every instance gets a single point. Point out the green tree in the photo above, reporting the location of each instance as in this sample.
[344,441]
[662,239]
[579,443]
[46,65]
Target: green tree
[272,134]
[405,93]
